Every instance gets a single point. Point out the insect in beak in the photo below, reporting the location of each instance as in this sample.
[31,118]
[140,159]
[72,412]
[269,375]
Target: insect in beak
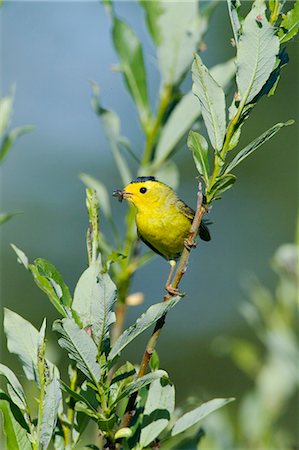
[121,194]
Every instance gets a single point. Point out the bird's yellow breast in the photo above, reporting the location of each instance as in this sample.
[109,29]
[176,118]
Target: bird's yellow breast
[164,227]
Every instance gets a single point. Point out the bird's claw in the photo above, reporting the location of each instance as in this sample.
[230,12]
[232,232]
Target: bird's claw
[189,245]
[173,291]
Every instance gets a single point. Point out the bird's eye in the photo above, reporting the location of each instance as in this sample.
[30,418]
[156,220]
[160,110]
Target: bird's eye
[143,190]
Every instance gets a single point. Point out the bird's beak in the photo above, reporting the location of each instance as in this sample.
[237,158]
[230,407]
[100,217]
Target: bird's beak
[121,194]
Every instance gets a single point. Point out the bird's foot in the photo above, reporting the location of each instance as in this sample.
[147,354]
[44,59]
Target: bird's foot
[173,291]
[188,245]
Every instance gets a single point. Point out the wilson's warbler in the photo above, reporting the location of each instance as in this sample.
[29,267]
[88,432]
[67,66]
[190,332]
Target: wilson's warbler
[163,220]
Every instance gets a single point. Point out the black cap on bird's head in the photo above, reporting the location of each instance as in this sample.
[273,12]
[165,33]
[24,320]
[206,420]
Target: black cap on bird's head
[143,179]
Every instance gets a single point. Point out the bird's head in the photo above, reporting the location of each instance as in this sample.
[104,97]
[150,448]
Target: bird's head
[144,192]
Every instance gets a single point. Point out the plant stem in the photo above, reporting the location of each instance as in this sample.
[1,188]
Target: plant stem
[42,381]
[220,158]
[182,267]
[70,411]
[153,132]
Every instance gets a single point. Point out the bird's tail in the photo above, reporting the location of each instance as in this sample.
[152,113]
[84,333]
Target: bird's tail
[204,232]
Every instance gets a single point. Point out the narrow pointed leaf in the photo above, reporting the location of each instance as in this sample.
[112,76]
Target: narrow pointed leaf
[6,104]
[76,395]
[233,6]
[17,392]
[80,347]
[212,101]
[290,24]
[153,10]
[145,321]
[193,417]
[199,147]
[52,399]
[49,280]
[130,53]
[187,112]
[22,258]
[256,54]
[10,138]
[14,425]
[50,288]
[94,298]
[181,28]
[4,217]
[22,339]
[101,191]
[254,145]
[222,184]
[140,383]
[49,271]
[158,410]
[111,124]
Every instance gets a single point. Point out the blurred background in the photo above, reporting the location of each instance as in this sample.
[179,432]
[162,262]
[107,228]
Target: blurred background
[50,51]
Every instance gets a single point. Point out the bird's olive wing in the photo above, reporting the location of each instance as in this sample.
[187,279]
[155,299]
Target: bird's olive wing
[185,209]
[204,232]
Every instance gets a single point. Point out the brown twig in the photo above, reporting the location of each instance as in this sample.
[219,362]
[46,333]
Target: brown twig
[182,267]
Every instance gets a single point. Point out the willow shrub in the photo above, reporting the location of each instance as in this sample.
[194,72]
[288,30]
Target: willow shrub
[90,323]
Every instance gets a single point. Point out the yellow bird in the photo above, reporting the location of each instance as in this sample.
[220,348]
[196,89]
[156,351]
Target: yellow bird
[163,220]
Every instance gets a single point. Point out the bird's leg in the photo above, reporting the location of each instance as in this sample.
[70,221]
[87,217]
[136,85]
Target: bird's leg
[168,287]
[189,246]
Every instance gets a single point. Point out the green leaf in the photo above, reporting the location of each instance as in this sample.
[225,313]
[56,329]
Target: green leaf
[51,402]
[142,323]
[254,145]
[49,280]
[222,184]
[22,339]
[140,383]
[290,24]
[199,147]
[158,410]
[212,101]
[94,298]
[233,7]
[76,395]
[82,407]
[256,53]
[4,217]
[49,271]
[186,112]
[14,425]
[193,417]
[22,258]
[153,10]
[124,375]
[80,347]
[16,392]
[52,290]
[101,192]
[10,138]
[6,104]
[130,53]
[111,125]
[180,30]
[107,424]
[154,361]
